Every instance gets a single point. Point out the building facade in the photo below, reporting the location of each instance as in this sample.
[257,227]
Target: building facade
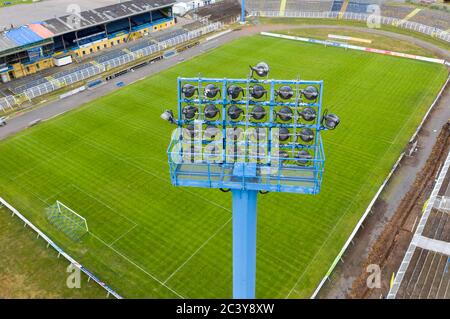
[58,41]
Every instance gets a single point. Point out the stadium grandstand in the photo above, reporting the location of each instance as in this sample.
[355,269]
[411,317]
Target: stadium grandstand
[30,48]
[421,19]
[425,270]
[145,46]
[225,11]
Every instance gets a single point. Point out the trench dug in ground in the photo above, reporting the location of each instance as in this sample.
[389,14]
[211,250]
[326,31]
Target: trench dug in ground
[390,247]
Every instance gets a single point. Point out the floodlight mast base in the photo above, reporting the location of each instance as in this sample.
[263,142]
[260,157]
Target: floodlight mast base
[243,12]
[244,243]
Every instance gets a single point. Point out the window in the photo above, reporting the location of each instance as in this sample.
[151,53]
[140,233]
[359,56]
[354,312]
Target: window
[118,41]
[104,46]
[84,52]
[98,47]
[91,50]
[38,66]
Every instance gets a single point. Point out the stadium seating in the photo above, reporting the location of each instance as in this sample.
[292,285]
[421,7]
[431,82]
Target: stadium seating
[192,26]
[7,102]
[266,5]
[142,44]
[357,7]
[337,5]
[78,68]
[309,6]
[30,84]
[110,55]
[146,46]
[434,18]
[399,12]
[223,11]
[164,36]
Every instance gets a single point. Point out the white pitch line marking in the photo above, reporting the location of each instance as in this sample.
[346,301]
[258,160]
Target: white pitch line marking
[197,250]
[136,265]
[123,235]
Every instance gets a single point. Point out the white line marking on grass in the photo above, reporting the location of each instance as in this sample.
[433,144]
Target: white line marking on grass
[145,157]
[26,188]
[45,161]
[123,235]
[325,241]
[352,202]
[62,190]
[198,249]
[104,204]
[123,159]
[136,265]
[152,174]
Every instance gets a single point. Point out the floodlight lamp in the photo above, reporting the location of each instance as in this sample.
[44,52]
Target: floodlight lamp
[285,92]
[258,112]
[257,91]
[330,121]
[211,91]
[167,115]
[310,93]
[190,112]
[188,90]
[233,91]
[211,111]
[189,131]
[234,112]
[308,114]
[261,69]
[283,156]
[303,158]
[306,135]
[283,134]
[211,131]
[285,114]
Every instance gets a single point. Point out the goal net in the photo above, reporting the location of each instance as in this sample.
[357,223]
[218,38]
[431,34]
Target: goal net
[67,220]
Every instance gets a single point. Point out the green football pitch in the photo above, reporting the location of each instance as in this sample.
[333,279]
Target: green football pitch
[107,161]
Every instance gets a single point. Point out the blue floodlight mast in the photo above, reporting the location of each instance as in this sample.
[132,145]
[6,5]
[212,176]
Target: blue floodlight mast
[243,11]
[267,107]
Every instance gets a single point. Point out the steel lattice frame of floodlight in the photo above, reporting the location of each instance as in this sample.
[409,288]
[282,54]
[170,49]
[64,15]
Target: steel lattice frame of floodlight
[247,163]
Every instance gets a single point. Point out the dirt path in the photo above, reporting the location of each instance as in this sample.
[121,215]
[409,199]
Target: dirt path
[390,247]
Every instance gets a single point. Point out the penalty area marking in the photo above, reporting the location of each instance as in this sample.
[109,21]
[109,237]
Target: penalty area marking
[198,249]
[136,265]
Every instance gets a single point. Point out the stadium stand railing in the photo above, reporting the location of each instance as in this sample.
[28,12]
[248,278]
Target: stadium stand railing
[226,11]
[419,230]
[59,250]
[434,18]
[362,17]
[103,63]
[399,12]
[309,6]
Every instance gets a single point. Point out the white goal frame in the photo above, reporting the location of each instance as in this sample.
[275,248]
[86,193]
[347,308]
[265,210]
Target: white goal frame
[59,204]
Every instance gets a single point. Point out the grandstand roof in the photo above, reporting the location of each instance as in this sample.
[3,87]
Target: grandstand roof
[28,34]
[6,43]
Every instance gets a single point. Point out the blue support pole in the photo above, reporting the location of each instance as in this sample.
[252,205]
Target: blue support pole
[243,11]
[244,243]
